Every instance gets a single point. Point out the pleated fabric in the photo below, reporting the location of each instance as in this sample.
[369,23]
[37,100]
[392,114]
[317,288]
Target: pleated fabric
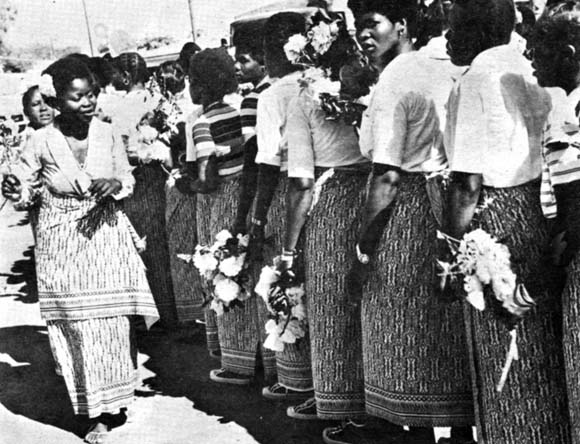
[532,408]
[293,365]
[240,330]
[146,210]
[416,363]
[181,223]
[335,328]
[98,361]
[205,234]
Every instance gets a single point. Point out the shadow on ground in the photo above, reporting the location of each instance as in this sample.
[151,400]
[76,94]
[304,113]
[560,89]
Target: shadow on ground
[182,365]
[23,272]
[30,386]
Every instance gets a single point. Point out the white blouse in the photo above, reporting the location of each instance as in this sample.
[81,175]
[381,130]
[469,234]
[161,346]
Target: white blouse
[403,125]
[49,158]
[496,113]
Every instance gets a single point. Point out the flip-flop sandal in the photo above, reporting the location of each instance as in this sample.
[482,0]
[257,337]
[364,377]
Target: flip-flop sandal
[101,437]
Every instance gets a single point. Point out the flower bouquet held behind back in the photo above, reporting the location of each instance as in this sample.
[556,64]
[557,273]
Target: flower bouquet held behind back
[481,262]
[223,266]
[286,301]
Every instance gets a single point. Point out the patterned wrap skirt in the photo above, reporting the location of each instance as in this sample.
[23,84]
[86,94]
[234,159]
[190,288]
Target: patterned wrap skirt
[532,408]
[293,365]
[205,233]
[146,210]
[241,329]
[335,328]
[415,352]
[568,205]
[87,265]
[91,280]
[181,223]
[98,361]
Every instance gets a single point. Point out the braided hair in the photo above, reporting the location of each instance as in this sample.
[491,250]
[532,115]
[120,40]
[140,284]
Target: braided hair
[133,64]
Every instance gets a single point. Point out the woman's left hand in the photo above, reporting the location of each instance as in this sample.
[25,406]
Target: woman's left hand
[101,188]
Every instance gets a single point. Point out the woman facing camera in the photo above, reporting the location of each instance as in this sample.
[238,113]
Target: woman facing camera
[555,45]
[496,112]
[91,280]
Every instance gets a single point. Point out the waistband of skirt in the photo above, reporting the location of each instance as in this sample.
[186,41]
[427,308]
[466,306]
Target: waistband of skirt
[354,169]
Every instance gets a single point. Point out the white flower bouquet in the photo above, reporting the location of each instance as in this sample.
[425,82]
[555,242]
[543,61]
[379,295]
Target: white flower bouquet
[223,266]
[286,302]
[482,262]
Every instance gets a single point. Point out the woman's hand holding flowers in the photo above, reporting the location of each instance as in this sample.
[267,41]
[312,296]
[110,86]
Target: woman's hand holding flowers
[101,188]
[11,187]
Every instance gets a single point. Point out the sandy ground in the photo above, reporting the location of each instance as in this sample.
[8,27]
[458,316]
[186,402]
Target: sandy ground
[178,403]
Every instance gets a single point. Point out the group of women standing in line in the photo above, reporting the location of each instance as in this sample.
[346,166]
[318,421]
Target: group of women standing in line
[354,216]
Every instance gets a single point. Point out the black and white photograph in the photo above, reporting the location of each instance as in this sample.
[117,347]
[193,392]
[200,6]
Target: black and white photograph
[290,222]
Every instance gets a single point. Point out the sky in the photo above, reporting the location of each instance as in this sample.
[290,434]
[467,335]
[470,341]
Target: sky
[62,22]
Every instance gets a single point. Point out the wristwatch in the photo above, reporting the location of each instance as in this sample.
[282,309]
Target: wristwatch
[362,258]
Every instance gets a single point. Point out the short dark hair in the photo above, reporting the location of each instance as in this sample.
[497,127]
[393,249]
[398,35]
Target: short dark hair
[485,24]
[63,72]
[134,64]
[214,69]
[395,10]
[189,49]
[277,30]
[250,43]
[27,98]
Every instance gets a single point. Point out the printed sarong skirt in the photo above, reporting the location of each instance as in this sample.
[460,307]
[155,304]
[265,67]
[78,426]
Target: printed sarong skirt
[146,210]
[181,223]
[241,329]
[97,359]
[532,407]
[415,353]
[335,329]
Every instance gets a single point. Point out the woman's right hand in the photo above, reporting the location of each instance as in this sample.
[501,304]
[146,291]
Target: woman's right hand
[11,187]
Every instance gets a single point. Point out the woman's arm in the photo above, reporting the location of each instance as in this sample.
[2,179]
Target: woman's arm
[268,178]
[122,170]
[463,196]
[382,192]
[298,203]
[249,185]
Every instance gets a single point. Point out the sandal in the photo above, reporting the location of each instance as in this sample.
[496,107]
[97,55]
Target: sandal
[94,437]
[224,376]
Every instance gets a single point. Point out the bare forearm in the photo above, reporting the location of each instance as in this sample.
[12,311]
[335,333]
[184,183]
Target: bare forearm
[268,178]
[249,182]
[299,201]
[382,192]
[463,196]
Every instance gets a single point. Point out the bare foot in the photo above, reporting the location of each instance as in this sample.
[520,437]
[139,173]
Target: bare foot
[97,434]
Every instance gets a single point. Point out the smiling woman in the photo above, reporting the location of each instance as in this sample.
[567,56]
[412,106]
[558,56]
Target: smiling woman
[91,280]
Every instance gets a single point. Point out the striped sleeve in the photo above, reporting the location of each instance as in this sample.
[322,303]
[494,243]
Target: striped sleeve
[547,196]
[203,142]
[248,113]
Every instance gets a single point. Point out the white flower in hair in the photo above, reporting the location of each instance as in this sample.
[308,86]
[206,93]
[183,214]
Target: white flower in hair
[295,47]
[321,37]
[46,86]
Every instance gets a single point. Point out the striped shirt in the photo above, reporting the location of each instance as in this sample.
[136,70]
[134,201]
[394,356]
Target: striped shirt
[219,131]
[560,148]
[249,109]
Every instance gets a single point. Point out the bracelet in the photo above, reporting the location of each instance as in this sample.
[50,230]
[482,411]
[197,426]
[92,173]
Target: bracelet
[257,222]
[362,257]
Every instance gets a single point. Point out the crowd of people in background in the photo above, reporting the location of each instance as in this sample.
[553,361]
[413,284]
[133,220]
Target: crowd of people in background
[452,121]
